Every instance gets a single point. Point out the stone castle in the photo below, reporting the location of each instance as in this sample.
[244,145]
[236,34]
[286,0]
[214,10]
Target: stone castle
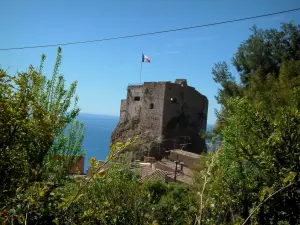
[174,111]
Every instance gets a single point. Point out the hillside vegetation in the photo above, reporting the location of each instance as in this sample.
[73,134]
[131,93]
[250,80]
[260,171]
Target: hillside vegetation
[252,179]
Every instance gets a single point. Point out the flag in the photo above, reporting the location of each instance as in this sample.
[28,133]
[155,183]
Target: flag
[145,59]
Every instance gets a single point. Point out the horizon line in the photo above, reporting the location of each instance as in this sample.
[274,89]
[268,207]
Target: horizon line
[98,114]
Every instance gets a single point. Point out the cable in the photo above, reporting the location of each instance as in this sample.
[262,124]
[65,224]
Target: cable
[152,33]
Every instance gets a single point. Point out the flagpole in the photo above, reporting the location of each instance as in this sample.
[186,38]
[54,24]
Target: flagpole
[141,72]
[141,68]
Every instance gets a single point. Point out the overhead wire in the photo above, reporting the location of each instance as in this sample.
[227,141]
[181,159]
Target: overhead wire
[152,33]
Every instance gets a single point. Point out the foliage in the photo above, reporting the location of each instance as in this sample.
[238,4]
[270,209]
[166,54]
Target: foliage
[259,155]
[170,203]
[134,149]
[122,151]
[37,124]
[265,62]
[255,176]
[118,198]
[106,200]
[115,196]
[266,50]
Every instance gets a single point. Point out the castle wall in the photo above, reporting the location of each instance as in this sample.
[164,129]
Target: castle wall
[171,109]
[152,107]
[129,123]
[123,111]
[194,105]
[134,101]
[197,107]
[149,107]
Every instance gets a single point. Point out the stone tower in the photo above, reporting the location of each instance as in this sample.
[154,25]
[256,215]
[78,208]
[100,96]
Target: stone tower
[175,111]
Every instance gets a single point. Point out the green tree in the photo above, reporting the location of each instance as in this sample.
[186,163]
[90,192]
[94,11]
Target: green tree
[230,88]
[267,50]
[255,176]
[262,62]
[260,155]
[115,198]
[35,115]
[170,203]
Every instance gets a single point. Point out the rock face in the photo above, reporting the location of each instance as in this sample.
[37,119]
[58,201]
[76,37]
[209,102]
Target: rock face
[175,111]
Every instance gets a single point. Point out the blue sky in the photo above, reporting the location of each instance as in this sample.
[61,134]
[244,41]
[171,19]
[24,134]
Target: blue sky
[104,69]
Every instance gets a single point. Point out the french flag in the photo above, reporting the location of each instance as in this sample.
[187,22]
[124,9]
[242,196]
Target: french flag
[145,59]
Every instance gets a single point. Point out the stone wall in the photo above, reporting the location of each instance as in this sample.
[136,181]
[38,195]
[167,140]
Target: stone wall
[129,124]
[123,111]
[185,114]
[152,107]
[134,101]
[192,102]
[141,112]
[199,110]
[189,160]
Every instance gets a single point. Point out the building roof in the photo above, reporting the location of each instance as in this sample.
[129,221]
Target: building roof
[186,153]
[178,81]
[146,172]
[156,174]
[182,178]
[171,165]
[142,170]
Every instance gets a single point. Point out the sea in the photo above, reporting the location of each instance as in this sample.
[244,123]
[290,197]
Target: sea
[98,129]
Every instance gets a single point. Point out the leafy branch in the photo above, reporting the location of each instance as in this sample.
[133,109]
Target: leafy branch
[121,148]
[270,196]
[207,177]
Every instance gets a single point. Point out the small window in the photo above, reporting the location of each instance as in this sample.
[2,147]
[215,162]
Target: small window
[151,106]
[174,100]
[137,98]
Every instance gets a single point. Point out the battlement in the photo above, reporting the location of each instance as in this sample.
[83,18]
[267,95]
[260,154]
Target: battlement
[182,82]
[134,85]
